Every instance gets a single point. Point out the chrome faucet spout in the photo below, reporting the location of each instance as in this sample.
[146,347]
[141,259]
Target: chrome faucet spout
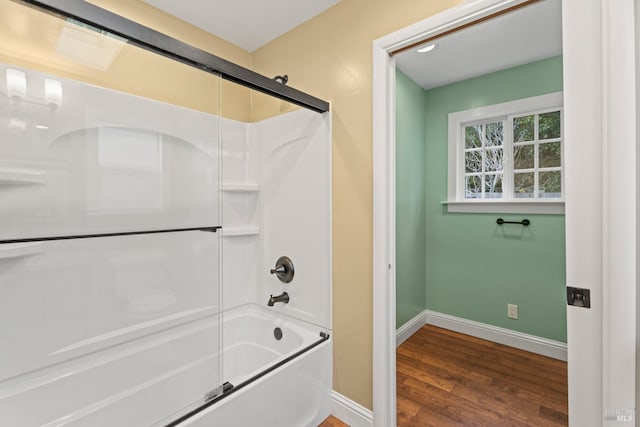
[283,298]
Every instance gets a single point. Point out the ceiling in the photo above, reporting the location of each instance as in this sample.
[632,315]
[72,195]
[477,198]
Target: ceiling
[249,24]
[526,35]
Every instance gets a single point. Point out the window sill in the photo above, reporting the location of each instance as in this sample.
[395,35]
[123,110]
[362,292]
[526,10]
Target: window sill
[555,207]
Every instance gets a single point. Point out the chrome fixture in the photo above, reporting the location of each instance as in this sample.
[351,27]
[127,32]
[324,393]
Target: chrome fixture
[283,298]
[283,269]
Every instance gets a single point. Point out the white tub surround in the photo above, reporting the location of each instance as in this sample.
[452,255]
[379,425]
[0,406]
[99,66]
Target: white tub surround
[135,249]
[276,201]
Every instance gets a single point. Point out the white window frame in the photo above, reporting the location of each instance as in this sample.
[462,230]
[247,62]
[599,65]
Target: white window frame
[456,201]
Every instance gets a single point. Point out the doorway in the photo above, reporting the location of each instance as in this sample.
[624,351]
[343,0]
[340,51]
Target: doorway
[457,268]
[596,387]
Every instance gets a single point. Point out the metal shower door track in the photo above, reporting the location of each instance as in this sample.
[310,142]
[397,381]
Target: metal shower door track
[169,47]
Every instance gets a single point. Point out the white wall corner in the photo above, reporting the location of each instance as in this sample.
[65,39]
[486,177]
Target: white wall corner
[411,327]
[532,343]
[350,412]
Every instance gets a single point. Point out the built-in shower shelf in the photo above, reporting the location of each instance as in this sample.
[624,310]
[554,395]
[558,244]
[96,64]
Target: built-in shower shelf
[241,188]
[240,231]
[20,176]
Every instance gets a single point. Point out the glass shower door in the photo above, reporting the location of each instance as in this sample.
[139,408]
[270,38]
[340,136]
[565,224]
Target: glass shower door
[110,304]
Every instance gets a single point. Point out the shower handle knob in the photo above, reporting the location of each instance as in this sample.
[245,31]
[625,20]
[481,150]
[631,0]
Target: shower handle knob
[283,269]
[279,269]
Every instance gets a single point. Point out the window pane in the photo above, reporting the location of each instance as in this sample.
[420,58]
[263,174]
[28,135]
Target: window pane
[472,136]
[473,187]
[550,184]
[549,125]
[493,186]
[523,185]
[493,159]
[473,161]
[494,134]
[550,155]
[523,156]
[523,128]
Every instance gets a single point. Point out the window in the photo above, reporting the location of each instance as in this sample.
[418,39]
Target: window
[507,157]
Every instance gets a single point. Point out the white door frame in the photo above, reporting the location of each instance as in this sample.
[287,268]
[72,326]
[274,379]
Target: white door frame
[600,204]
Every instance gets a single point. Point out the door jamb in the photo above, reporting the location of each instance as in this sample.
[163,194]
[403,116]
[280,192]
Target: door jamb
[384,272]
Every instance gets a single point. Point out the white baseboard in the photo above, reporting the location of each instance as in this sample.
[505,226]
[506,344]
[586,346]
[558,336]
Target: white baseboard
[543,346]
[410,328]
[350,412]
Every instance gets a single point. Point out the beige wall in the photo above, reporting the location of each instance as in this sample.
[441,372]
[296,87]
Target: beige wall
[237,99]
[330,57]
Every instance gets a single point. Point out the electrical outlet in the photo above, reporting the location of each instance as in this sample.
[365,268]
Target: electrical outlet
[512,311]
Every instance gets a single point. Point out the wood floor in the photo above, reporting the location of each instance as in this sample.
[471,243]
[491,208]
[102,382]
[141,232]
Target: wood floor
[333,422]
[449,379]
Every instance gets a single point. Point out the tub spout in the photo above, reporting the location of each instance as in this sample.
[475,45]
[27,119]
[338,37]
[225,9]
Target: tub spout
[283,298]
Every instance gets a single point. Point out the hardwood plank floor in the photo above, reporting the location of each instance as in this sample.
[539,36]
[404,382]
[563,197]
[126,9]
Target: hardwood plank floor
[333,422]
[449,379]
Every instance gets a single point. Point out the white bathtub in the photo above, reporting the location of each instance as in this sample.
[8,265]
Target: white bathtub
[295,394]
[145,381]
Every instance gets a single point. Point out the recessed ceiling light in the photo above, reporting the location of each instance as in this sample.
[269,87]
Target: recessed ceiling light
[42,127]
[427,48]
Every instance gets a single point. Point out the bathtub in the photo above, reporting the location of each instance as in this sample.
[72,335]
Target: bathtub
[277,383]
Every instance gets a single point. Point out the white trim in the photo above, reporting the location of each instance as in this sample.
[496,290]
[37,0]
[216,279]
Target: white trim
[383,118]
[350,412]
[583,62]
[411,327]
[527,342]
[509,108]
[532,343]
[384,235]
[504,111]
[619,207]
[522,207]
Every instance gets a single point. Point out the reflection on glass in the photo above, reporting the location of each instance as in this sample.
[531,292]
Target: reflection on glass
[100,136]
[16,84]
[88,45]
[103,155]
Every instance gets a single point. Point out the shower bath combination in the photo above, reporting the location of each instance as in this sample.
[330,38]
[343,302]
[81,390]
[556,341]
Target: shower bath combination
[140,224]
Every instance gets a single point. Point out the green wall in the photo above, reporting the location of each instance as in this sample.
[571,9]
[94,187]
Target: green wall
[474,267]
[410,199]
